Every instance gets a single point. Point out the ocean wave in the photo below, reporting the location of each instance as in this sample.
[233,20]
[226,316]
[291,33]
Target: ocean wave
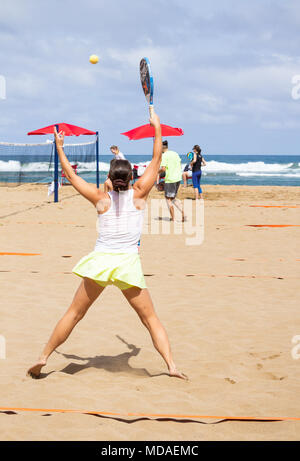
[14,165]
[213,166]
[11,165]
[219,167]
[91,166]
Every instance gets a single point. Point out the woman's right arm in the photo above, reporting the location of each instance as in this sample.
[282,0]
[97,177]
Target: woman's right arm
[146,182]
[194,159]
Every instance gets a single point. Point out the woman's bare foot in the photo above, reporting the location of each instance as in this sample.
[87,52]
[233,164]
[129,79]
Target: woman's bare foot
[174,373]
[35,371]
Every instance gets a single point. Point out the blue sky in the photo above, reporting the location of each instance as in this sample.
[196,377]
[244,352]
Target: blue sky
[222,70]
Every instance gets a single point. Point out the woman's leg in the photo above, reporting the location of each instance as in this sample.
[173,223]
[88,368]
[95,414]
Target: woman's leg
[87,292]
[141,301]
[185,178]
[170,207]
[195,185]
[199,187]
[179,207]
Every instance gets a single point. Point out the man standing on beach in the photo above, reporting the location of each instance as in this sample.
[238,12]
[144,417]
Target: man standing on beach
[117,153]
[118,156]
[171,166]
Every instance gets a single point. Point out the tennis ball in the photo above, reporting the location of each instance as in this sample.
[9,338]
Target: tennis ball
[94,59]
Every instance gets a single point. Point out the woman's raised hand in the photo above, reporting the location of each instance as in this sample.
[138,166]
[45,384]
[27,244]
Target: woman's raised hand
[154,120]
[59,138]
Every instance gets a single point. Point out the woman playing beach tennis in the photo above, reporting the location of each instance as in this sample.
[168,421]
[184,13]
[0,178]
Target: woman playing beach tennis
[115,259]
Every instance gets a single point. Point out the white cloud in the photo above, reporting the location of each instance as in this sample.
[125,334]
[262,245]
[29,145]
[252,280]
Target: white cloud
[79,76]
[281,125]
[162,58]
[222,63]
[208,101]
[25,85]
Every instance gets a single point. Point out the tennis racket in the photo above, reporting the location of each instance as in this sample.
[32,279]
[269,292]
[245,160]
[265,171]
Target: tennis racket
[147,83]
[190,156]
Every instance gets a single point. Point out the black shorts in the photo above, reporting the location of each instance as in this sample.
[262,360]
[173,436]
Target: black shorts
[171,189]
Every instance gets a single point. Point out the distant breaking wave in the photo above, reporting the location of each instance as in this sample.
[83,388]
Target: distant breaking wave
[220,167]
[211,167]
[14,165]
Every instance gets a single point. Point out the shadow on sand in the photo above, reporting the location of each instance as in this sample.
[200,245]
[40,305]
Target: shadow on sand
[113,364]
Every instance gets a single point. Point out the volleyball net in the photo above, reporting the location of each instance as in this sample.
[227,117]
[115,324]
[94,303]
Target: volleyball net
[34,163]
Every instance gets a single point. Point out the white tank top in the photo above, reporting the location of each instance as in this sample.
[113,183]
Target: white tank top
[120,227]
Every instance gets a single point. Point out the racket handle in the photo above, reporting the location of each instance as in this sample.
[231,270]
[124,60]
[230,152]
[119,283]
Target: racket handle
[151,110]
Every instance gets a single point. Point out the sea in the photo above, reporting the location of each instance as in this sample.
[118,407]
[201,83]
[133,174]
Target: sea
[250,170]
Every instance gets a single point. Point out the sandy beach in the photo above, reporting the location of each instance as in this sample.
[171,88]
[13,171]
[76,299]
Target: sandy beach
[230,306]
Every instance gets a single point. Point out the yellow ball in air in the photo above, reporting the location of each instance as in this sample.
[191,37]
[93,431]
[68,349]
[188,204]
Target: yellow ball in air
[94,59]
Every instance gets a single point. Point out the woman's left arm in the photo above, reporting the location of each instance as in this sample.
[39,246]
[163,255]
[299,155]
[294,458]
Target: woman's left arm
[89,191]
[203,162]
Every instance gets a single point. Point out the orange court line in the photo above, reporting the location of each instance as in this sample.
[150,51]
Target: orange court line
[273,225]
[253,276]
[275,206]
[20,254]
[154,415]
[260,260]
[241,276]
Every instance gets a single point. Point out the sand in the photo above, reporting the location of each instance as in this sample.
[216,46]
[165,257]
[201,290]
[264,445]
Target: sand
[230,306]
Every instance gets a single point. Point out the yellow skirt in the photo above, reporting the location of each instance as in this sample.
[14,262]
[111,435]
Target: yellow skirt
[123,270]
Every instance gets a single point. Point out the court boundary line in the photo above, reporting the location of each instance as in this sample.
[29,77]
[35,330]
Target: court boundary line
[274,206]
[272,225]
[251,276]
[37,206]
[18,254]
[154,416]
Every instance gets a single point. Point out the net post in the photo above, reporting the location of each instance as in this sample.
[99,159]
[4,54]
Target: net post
[97,159]
[56,169]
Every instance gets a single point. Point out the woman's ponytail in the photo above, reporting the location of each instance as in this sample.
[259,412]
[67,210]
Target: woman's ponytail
[120,174]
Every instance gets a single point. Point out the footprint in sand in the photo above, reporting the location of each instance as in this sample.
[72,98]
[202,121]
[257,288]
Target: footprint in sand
[269,375]
[231,381]
[270,357]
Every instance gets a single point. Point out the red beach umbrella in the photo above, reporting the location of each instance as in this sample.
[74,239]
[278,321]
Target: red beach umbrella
[69,130]
[147,131]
